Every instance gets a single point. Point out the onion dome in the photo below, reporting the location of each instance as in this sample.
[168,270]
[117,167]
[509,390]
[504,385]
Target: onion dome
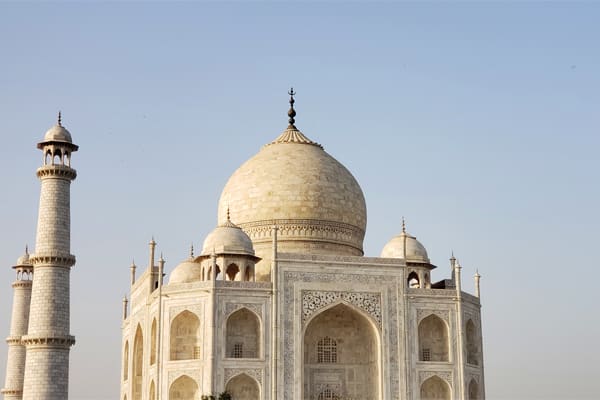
[293,184]
[407,247]
[227,238]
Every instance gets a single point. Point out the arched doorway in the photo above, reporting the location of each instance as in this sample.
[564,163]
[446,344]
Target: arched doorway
[243,335]
[433,339]
[341,352]
[435,388]
[473,390]
[185,339]
[184,388]
[138,364]
[243,387]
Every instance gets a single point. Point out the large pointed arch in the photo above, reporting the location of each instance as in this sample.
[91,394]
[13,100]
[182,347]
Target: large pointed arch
[184,388]
[126,361]
[242,334]
[138,364]
[355,366]
[433,339]
[435,388]
[243,387]
[185,337]
[472,343]
[153,333]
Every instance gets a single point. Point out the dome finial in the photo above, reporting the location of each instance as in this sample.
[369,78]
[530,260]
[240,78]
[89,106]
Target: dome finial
[228,215]
[59,118]
[292,112]
[403,225]
[27,249]
[192,250]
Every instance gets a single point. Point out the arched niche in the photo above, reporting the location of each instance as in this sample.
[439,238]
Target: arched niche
[138,364]
[232,271]
[242,335]
[413,280]
[152,391]
[472,343]
[474,390]
[354,368]
[435,388]
[243,387]
[184,388]
[185,337]
[153,343]
[126,361]
[433,339]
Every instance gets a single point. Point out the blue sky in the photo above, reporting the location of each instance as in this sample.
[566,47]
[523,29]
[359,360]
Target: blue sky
[477,121]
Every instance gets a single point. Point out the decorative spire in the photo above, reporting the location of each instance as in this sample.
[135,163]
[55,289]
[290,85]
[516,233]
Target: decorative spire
[292,112]
[59,119]
[27,249]
[403,225]
[192,251]
[228,215]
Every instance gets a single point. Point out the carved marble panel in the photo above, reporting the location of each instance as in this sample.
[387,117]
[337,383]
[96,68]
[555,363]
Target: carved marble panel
[445,375]
[314,300]
[423,313]
[255,373]
[230,308]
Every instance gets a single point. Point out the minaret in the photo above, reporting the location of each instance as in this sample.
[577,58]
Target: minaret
[48,339]
[15,365]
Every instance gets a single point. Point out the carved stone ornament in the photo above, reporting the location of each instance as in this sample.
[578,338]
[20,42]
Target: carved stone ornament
[423,313]
[175,311]
[255,373]
[230,308]
[314,300]
[445,375]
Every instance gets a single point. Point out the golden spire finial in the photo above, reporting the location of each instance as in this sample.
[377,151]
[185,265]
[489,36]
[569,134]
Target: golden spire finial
[59,118]
[192,250]
[228,215]
[292,112]
[403,225]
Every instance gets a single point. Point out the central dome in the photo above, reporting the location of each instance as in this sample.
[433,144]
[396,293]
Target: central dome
[292,183]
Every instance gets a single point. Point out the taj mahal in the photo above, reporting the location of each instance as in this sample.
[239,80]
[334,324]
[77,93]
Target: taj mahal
[280,302]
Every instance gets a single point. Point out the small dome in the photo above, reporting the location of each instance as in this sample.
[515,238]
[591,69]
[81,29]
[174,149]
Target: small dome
[227,238]
[24,260]
[58,133]
[186,272]
[415,251]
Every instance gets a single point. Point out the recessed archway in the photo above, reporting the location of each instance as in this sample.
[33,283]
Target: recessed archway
[184,338]
[184,388]
[243,387]
[341,348]
[138,363]
[435,388]
[433,339]
[243,335]
[473,390]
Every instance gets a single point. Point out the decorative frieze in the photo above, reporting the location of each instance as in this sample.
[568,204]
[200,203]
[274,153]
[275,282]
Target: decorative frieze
[230,308]
[314,300]
[445,375]
[423,313]
[255,373]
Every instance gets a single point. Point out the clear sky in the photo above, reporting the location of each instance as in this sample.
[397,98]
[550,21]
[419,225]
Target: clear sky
[478,122]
